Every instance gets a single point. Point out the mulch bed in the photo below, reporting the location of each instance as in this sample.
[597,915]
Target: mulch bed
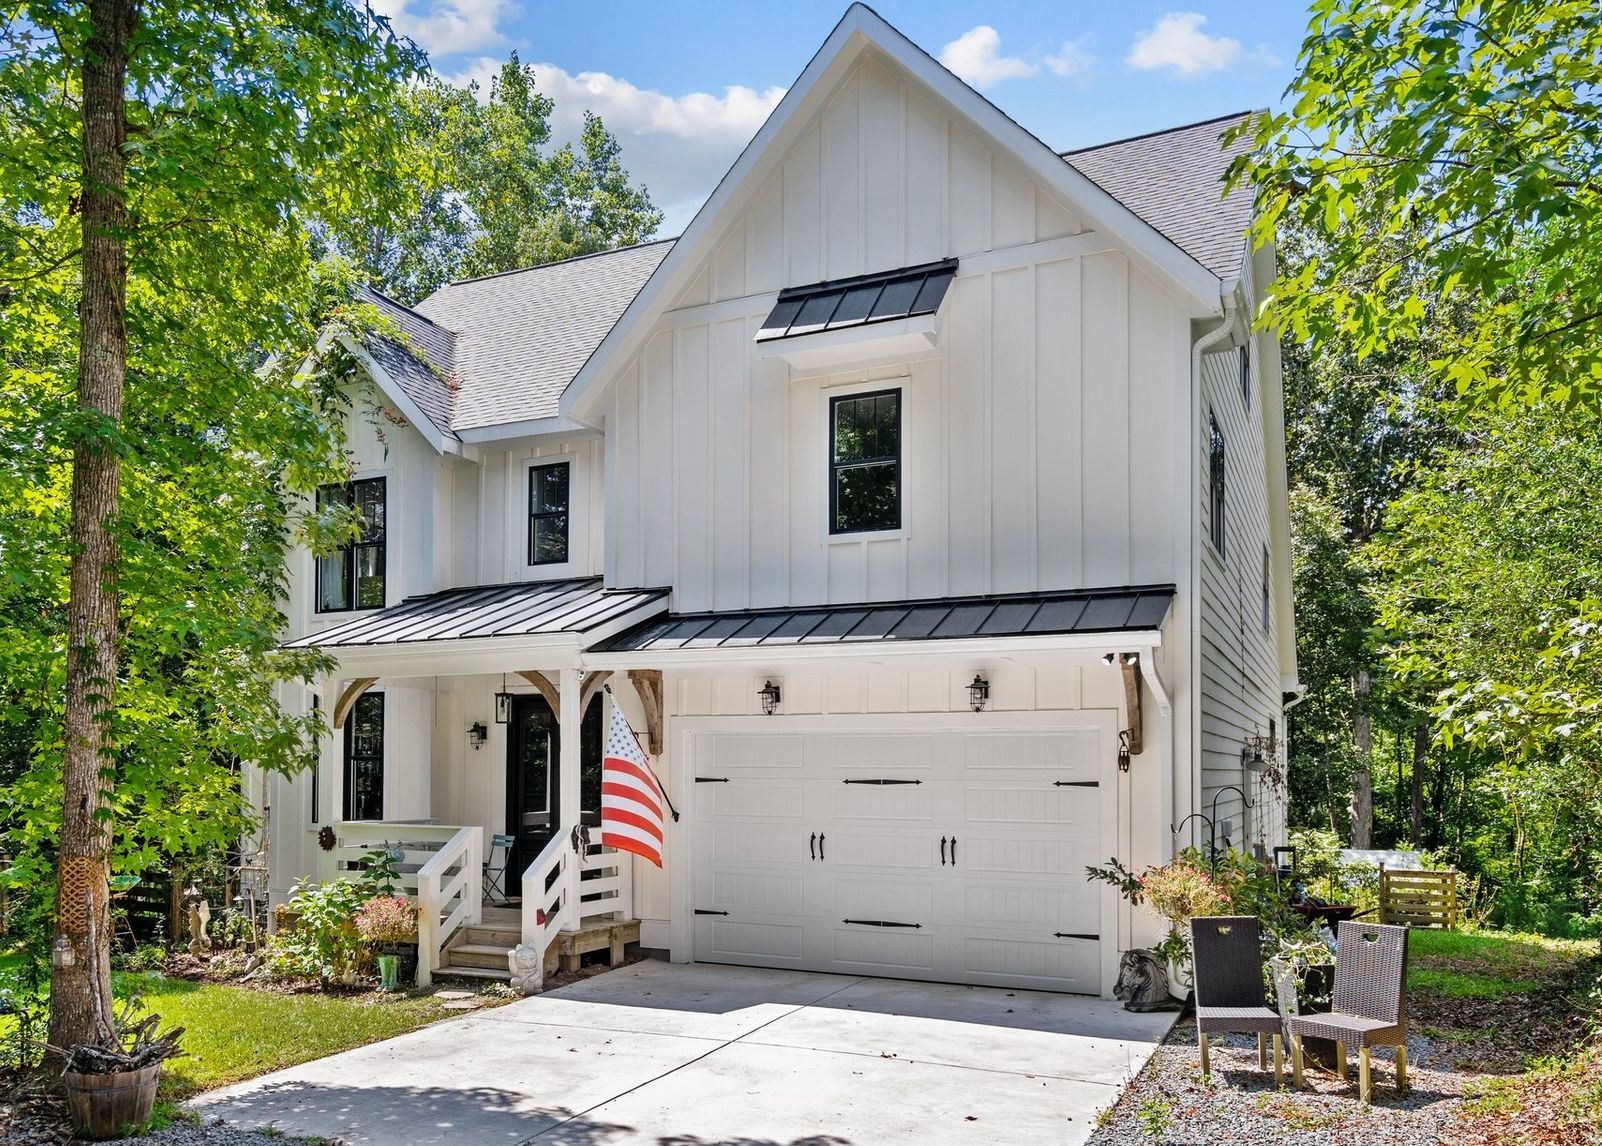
[1463,1053]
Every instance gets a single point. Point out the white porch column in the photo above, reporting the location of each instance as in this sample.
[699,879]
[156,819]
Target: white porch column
[569,687]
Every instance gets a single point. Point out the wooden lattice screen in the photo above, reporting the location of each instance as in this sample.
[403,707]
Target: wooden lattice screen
[1418,898]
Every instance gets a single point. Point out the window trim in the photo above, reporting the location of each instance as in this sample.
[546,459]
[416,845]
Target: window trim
[1245,366]
[1268,600]
[566,513]
[348,788]
[833,467]
[347,553]
[1217,485]
[317,766]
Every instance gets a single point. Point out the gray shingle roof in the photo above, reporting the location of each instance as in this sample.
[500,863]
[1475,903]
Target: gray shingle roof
[522,335]
[423,365]
[1174,180]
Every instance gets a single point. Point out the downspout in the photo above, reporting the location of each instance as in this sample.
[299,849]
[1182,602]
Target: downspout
[1220,333]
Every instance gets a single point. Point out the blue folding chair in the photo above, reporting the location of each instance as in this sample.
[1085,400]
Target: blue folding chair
[496,864]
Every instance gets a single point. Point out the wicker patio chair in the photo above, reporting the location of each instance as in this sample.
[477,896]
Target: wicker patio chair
[1370,1004]
[1229,986]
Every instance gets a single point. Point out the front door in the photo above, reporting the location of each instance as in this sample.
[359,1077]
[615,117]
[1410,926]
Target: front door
[532,778]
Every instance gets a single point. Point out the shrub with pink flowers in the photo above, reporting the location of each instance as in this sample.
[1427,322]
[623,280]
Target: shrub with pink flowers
[387,919]
[1181,891]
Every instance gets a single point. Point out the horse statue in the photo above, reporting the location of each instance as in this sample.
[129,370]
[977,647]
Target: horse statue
[1143,982]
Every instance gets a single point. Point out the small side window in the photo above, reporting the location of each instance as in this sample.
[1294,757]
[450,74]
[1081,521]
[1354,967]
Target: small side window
[1215,470]
[364,758]
[1268,598]
[865,462]
[547,513]
[1246,375]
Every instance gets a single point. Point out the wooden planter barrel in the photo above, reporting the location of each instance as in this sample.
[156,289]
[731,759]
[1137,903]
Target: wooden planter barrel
[104,1105]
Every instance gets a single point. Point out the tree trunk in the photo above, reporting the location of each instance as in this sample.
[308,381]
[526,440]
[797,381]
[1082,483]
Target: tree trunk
[1421,754]
[80,991]
[1362,808]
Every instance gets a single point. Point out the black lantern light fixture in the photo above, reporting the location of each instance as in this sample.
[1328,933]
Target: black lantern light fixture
[978,693]
[1256,753]
[503,703]
[477,734]
[771,696]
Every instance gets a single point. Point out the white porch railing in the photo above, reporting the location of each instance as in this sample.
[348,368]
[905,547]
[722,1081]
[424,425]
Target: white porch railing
[418,842]
[606,884]
[450,895]
[547,909]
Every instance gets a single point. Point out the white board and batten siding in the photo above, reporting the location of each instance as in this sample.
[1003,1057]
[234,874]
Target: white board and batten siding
[1037,441]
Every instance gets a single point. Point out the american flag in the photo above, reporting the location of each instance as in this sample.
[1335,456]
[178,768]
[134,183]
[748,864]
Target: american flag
[631,801]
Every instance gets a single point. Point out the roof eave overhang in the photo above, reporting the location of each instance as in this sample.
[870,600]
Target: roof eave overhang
[443,441]
[859,30]
[1064,648]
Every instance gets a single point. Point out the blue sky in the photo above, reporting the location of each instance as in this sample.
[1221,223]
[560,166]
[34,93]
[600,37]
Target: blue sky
[685,85]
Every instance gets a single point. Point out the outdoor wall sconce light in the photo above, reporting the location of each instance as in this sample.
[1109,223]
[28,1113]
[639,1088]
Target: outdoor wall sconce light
[477,734]
[1108,658]
[1123,750]
[1255,752]
[771,696]
[503,703]
[978,693]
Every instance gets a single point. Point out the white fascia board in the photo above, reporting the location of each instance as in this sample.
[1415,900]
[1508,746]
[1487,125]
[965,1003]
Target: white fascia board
[859,29]
[1076,648]
[443,443]
[828,351]
[463,656]
[530,428]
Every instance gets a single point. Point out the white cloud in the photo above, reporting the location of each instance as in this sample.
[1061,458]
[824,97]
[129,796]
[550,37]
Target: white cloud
[1177,41]
[679,146]
[975,57]
[1072,59]
[446,27]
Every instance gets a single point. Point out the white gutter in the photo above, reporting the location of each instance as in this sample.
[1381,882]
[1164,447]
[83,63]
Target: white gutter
[1193,793]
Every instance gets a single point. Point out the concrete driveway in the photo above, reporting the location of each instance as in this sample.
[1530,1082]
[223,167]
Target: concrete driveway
[699,1054]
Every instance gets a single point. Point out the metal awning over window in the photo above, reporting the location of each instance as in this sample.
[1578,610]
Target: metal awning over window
[860,301]
[1108,611]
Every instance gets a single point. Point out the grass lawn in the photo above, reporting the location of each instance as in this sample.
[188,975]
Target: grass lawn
[235,1033]
[1490,964]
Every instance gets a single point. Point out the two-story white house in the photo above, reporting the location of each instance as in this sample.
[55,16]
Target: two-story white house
[923,506]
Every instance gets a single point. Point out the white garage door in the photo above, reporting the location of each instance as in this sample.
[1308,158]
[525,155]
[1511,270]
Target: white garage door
[953,852]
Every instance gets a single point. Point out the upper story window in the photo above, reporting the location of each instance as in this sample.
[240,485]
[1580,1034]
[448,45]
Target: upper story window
[865,462]
[364,758]
[353,577]
[1246,375]
[1268,602]
[1215,473]
[548,487]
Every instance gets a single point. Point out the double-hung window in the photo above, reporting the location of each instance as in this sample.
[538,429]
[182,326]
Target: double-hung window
[1216,502]
[353,577]
[865,462]
[547,513]
[364,758]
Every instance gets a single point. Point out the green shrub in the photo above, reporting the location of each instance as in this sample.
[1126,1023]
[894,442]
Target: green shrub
[324,943]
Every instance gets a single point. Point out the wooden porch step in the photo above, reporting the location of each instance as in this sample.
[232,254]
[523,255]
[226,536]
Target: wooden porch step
[507,937]
[489,956]
[609,935]
[451,971]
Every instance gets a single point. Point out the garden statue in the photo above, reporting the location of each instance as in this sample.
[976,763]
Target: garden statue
[199,920]
[528,969]
[1143,982]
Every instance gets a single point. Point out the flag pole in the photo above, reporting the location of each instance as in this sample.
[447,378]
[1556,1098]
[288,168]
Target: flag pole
[661,787]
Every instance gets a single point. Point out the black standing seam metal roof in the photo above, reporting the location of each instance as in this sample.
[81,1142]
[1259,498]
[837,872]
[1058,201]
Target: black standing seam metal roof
[525,608]
[1136,609]
[858,301]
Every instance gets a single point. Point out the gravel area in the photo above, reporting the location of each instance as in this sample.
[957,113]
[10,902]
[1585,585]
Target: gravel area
[41,1128]
[1170,1105]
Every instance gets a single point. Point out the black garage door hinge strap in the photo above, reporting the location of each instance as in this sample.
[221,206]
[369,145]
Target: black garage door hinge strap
[1073,935]
[1076,783]
[706,911]
[711,779]
[879,923]
[881,782]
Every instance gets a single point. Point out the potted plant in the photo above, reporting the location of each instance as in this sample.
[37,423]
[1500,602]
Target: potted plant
[1177,892]
[111,1084]
[388,923]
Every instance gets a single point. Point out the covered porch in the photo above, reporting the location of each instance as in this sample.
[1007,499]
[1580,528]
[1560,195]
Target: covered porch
[464,739]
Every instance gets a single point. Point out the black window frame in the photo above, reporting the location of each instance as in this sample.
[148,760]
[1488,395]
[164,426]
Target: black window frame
[1268,604]
[1217,503]
[1246,375]
[317,764]
[836,466]
[349,555]
[565,513]
[352,718]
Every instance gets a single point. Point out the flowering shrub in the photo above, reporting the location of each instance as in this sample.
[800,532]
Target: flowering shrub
[324,942]
[1181,891]
[387,919]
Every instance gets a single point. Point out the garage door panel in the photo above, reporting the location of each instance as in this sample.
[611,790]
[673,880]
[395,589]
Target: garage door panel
[1071,754]
[1031,804]
[746,799]
[1030,907]
[763,943]
[876,753]
[1026,855]
[776,893]
[751,752]
[881,950]
[1010,961]
[880,849]
[903,901]
[737,842]
[883,802]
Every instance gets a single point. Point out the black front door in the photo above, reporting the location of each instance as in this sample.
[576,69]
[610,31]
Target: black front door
[531,778]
